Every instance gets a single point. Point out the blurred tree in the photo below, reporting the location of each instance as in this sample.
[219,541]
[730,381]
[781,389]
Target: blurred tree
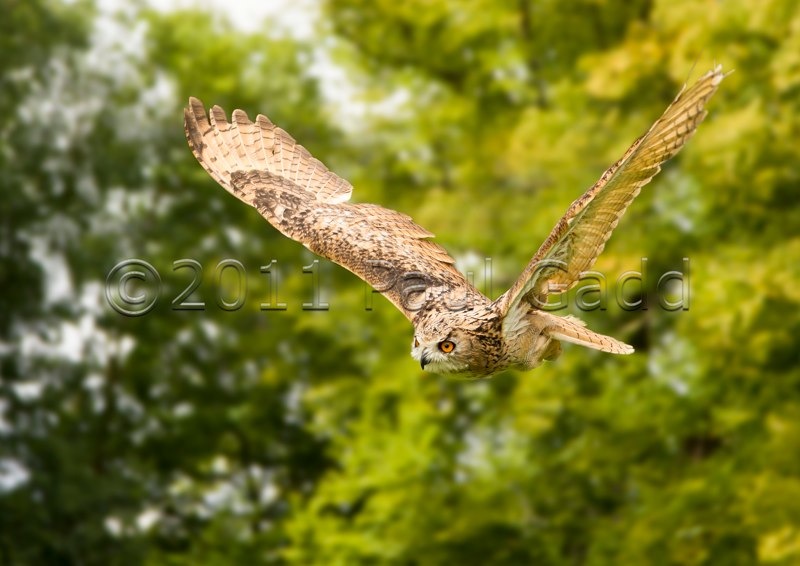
[158,436]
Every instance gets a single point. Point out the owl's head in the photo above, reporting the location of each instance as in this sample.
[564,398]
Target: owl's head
[454,346]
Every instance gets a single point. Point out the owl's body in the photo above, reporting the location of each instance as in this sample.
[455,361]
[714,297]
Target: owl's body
[457,329]
[487,344]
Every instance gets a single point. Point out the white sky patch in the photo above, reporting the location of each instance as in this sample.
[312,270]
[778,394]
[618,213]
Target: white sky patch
[147,518]
[222,495]
[28,391]
[12,474]
[113,525]
[74,341]
[337,88]
[57,283]
[5,426]
[298,19]
[295,18]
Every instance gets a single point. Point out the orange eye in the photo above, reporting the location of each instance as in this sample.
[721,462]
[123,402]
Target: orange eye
[416,343]
[447,346]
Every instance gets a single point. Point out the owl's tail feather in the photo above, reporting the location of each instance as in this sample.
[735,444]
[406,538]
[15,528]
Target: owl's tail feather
[571,329]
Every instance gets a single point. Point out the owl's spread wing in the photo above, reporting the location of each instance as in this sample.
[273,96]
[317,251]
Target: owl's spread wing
[263,166]
[579,237]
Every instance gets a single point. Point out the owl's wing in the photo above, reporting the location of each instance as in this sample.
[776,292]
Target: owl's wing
[579,237]
[263,166]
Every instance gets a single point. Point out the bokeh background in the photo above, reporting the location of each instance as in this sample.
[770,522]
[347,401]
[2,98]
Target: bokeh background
[300,437]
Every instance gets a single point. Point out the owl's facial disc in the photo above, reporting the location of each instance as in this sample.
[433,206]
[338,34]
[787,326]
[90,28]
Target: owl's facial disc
[438,355]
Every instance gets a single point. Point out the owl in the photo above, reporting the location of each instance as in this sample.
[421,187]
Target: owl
[457,329]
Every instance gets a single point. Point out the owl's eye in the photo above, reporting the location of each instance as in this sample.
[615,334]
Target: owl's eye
[447,346]
[416,343]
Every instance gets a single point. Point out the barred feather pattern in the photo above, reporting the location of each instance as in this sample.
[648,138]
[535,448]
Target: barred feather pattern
[264,167]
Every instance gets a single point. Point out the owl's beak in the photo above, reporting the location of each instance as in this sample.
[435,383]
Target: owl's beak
[424,360]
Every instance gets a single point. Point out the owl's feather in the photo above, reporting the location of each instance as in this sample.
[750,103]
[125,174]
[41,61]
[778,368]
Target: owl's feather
[580,236]
[263,166]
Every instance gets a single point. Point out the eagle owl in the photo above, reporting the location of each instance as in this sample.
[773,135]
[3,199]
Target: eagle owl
[456,328]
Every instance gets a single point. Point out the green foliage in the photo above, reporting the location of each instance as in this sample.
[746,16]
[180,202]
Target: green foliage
[303,437]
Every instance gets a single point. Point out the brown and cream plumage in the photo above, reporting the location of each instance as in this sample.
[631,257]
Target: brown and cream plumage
[457,329]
